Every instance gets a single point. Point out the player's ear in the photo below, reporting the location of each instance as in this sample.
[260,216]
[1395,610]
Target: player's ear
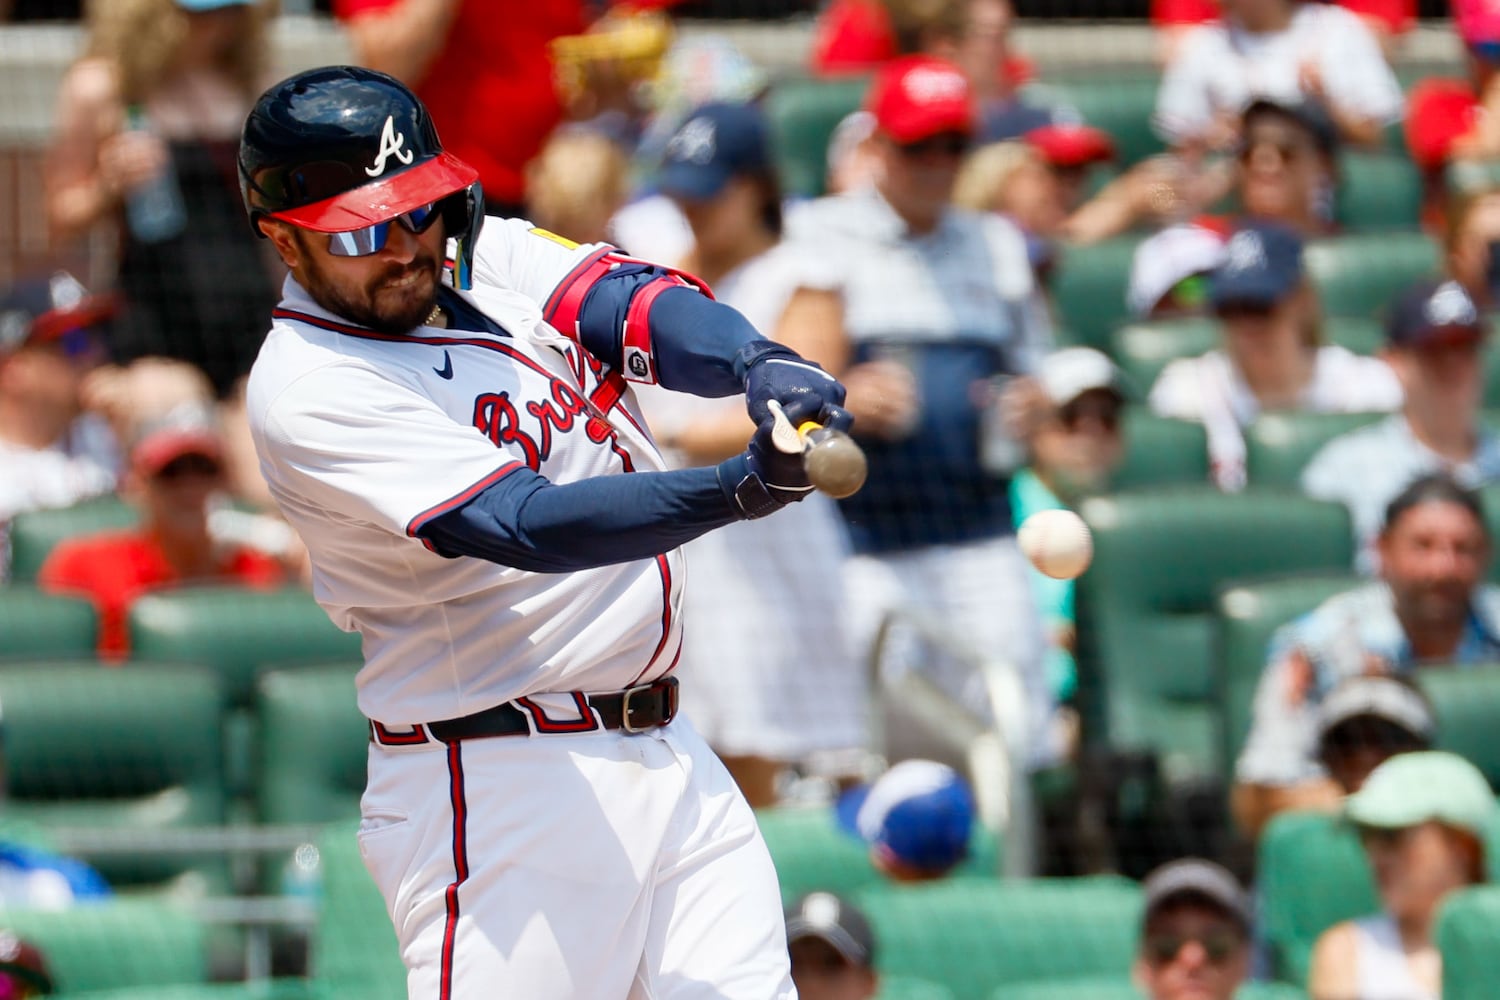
[283,239]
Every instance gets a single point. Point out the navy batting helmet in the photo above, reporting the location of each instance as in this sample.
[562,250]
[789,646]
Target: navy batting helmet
[342,148]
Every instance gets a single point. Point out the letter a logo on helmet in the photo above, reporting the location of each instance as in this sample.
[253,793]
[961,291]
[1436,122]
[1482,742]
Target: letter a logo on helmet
[305,159]
[391,142]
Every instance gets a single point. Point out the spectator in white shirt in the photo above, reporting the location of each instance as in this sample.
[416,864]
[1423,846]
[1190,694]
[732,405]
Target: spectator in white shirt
[1273,357]
[1285,51]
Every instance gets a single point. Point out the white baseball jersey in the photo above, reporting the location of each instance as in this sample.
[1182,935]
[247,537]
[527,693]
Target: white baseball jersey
[364,437]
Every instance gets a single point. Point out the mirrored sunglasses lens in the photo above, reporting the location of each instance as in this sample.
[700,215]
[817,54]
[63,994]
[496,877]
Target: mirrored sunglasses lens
[359,242]
[419,220]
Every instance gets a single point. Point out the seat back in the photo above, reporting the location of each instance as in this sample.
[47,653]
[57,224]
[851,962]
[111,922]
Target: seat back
[1468,926]
[802,113]
[1089,290]
[1123,988]
[354,951]
[1466,703]
[1313,874]
[115,943]
[34,534]
[1378,191]
[1278,446]
[128,747]
[1358,274]
[811,852]
[973,935]
[1146,607]
[238,632]
[1247,616]
[1160,451]
[313,744]
[35,625]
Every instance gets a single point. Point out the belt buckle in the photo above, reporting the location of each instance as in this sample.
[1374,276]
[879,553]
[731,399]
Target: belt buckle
[628,693]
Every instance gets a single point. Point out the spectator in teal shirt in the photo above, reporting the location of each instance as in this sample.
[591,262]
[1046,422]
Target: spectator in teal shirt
[1074,452]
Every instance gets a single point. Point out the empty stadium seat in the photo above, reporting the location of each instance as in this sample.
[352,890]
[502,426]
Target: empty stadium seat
[1312,874]
[133,747]
[354,951]
[1378,191]
[1468,926]
[1279,445]
[115,944]
[973,935]
[1358,274]
[1160,451]
[275,989]
[908,988]
[34,534]
[40,626]
[802,113]
[1248,615]
[811,852]
[238,632]
[1466,702]
[1089,290]
[1146,608]
[312,743]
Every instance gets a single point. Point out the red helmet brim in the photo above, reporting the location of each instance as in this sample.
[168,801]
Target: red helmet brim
[383,200]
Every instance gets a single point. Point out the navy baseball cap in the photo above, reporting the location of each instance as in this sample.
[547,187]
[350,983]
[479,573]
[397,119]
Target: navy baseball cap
[1433,312]
[41,310]
[715,143]
[1262,265]
[919,813]
[1311,116]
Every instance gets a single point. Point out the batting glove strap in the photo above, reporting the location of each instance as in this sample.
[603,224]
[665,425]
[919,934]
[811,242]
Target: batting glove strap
[750,494]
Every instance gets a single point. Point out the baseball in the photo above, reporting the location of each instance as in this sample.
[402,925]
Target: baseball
[1057,542]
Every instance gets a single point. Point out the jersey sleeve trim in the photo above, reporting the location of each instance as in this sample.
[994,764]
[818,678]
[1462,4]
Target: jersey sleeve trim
[417,523]
[564,305]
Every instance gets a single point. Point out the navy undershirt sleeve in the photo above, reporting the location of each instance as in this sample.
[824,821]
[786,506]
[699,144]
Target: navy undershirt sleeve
[695,340]
[529,523]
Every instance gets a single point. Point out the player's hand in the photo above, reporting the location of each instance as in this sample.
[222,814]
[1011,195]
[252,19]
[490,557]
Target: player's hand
[765,478]
[805,391]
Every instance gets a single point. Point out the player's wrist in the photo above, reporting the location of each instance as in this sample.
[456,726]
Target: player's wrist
[754,352]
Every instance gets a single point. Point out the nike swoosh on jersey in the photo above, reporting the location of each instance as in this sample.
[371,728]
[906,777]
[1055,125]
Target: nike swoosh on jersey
[447,370]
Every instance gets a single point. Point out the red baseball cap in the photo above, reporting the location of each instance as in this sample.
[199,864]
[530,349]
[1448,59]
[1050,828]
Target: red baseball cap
[1441,113]
[1071,145]
[917,97]
[186,430]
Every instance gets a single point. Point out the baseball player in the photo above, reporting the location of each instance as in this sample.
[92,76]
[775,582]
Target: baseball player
[480,500]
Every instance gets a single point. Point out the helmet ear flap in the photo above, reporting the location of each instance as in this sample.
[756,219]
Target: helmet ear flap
[463,217]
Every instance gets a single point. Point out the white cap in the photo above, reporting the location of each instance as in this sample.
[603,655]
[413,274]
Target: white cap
[1163,260]
[1067,374]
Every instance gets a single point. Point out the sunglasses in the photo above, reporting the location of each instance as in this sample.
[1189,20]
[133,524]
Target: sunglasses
[1289,152]
[1392,838]
[188,465]
[1107,414]
[1246,310]
[372,239]
[946,143]
[1218,944]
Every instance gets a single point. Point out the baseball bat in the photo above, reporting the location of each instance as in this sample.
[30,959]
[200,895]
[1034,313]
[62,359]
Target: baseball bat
[835,464]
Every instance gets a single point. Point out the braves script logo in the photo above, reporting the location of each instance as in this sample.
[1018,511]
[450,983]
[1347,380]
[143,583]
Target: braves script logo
[496,416]
[391,143]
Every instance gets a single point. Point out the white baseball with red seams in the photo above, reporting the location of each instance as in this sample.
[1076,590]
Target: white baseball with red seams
[1057,542]
[576,863]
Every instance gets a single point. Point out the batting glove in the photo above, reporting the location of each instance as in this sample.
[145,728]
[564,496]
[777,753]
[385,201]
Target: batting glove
[805,391]
[763,479]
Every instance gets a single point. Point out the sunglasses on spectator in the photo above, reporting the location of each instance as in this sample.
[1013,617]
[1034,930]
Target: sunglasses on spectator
[1103,412]
[945,143]
[1289,152]
[1391,838]
[1245,310]
[188,465]
[1218,944]
[372,239]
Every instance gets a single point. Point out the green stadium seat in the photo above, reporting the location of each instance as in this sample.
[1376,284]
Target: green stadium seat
[34,534]
[1122,988]
[354,950]
[1312,874]
[1120,105]
[1278,446]
[40,626]
[1378,191]
[1160,451]
[1466,702]
[1089,290]
[907,988]
[238,632]
[1468,927]
[313,743]
[274,989]
[811,852]
[115,944]
[802,113]
[1491,357]
[1248,615]
[1358,274]
[1146,608]
[132,747]
[972,935]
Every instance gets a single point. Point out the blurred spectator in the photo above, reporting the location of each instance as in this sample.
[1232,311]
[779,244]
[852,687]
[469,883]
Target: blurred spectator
[1273,356]
[35,879]
[793,696]
[23,969]
[1424,820]
[852,162]
[1176,19]
[856,36]
[1430,606]
[1195,933]
[1434,336]
[50,339]
[1472,245]
[576,184]
[933,308]
[917,818]
[1074,452]
[1170,272]
[1281,50]
[832,949]
[148,125]
[175,477]
[1366,719]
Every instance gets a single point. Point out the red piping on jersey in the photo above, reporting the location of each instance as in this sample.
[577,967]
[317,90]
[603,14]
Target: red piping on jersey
[665,568]
[458,500]
[460,866]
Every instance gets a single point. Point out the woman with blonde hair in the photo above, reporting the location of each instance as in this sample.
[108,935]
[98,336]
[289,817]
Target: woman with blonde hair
[148,124]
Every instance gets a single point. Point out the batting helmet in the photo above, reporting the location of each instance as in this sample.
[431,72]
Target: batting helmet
[343,148]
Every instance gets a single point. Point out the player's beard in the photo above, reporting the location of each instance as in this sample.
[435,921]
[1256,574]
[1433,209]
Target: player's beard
[377,305]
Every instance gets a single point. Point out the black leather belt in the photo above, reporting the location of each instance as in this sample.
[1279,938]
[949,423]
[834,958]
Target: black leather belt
[634,710]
